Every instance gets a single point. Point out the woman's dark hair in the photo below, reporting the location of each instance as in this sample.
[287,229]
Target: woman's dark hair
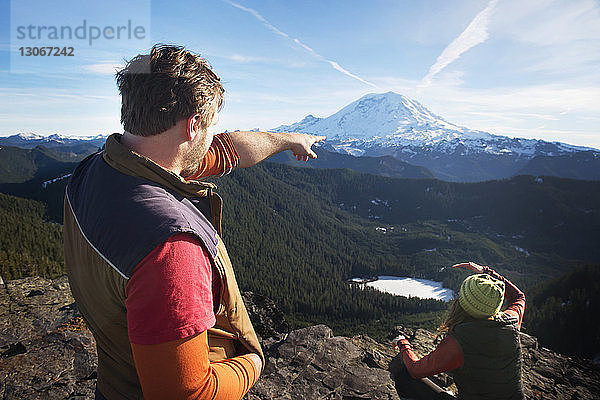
[163,87]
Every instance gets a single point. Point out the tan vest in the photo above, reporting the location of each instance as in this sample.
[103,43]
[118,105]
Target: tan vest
[99,288]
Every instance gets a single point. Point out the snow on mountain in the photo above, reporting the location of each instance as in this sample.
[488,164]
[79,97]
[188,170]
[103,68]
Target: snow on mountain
[29,136]
[390,120]
[30,140]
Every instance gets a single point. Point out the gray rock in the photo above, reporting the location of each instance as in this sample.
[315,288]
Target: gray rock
[47,352]
[267,320]
[311,363]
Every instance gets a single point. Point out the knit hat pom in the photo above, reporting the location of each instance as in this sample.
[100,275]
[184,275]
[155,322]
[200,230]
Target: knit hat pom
[481,295]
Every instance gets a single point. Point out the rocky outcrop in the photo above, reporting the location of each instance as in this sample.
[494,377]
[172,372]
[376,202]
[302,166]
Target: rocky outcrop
[47,352]
[311,363]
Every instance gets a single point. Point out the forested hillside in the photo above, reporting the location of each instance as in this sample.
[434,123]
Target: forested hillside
[29,245]
[21,165]
[384,166]
[292,240]
[563,313]
[297,235]
[538,214]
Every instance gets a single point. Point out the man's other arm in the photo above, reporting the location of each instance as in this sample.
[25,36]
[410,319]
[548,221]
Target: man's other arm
[180,370]
[254,147]
[169,309]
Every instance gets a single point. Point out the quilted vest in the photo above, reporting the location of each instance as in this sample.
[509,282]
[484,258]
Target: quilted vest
[492,360]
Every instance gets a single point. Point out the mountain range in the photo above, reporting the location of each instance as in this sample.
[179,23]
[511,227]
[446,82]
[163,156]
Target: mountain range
[299,234]
[31,140]
[392,135]
[390,124]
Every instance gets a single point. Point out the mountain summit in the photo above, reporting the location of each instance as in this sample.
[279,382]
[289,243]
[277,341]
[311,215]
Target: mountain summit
[389,123]
[380,115]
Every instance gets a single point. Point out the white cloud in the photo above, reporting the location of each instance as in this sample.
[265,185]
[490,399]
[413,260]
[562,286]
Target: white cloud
[43,95]
[549,22]
[474,34]
[351,75]
[240,58]
[555,36]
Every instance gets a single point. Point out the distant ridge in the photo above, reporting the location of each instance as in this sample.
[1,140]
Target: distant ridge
[383,165]
[31,140]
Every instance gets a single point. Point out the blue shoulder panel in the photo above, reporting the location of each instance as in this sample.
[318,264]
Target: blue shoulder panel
[125,217]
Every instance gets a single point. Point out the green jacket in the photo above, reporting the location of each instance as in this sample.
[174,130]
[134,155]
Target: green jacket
[492,360]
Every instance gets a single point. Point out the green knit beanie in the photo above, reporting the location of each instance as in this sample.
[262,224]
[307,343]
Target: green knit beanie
[481,296]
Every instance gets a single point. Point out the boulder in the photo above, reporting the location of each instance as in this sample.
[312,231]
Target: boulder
[47,352]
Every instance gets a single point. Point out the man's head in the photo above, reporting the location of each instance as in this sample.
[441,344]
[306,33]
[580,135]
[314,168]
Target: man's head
[166,86]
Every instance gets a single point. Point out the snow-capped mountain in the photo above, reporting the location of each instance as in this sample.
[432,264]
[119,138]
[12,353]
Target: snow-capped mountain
[31,140]
[393,124]
[383,117]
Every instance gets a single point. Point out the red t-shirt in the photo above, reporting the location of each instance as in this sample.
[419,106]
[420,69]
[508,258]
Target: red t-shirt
[169,294]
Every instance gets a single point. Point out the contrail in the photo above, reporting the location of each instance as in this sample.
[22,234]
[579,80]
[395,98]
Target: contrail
[475,33]
[351,75]
[277,31]
[259,17]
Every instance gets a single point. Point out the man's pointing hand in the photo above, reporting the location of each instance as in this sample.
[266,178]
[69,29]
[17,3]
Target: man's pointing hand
[301,145]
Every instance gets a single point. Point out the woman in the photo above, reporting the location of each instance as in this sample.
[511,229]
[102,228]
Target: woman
[481,348]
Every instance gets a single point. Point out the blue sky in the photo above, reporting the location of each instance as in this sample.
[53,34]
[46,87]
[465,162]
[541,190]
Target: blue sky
[511,67]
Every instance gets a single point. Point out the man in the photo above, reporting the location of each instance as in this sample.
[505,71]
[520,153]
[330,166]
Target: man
[143,253]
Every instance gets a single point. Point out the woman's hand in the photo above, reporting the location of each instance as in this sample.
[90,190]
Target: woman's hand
[396,340]
[478,269]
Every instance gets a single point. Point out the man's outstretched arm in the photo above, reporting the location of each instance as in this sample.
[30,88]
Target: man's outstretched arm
[254,147]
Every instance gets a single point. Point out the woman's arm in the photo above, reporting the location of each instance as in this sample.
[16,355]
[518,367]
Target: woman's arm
[446,357]
[515,298]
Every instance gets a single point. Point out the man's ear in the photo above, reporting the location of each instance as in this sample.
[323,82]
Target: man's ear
[192,126]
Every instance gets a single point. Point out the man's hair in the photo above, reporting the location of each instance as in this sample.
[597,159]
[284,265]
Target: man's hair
[163,87]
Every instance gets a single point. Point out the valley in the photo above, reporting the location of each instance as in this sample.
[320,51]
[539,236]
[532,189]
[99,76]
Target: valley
[408,201]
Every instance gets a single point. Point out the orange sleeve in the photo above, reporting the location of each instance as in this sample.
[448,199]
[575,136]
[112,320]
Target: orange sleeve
[220,159]
[447,356]
[180,369]
[515,298]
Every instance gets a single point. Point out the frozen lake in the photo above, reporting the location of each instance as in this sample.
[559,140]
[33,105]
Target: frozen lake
[402,286]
